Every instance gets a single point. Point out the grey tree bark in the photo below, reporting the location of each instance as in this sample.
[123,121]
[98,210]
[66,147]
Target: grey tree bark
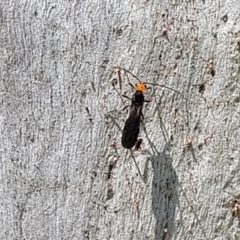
[64,173]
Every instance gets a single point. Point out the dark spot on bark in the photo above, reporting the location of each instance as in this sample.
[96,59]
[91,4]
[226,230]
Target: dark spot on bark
[119,32]
[225,18]
[109,194]
[201,88]
[213,72]
[160,57]
[237,100]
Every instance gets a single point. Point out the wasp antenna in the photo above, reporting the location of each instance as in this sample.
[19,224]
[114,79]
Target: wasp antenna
[131,86]
[128,72]
[155,84]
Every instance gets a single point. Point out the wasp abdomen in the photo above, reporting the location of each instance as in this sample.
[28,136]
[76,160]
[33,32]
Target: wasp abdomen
[132,124]
[130,132]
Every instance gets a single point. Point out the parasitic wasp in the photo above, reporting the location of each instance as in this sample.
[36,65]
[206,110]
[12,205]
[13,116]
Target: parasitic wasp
[132,125]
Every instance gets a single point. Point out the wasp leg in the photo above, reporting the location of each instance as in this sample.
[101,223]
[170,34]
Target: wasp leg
[136,165]
[126,97]
[138,144]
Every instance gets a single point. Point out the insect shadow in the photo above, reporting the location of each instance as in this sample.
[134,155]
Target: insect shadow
[165,187]
[132,124]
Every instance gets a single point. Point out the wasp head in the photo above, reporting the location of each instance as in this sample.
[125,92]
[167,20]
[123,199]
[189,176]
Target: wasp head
[140,87]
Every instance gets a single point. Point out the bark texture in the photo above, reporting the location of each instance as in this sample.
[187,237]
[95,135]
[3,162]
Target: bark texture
[64,173]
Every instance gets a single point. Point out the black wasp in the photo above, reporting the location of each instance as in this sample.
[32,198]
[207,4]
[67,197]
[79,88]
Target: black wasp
[132,124]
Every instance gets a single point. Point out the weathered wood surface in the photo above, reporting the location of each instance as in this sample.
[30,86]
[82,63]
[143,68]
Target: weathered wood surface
[61,177]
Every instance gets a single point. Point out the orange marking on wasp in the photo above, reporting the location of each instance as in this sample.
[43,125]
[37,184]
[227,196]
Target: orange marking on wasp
[140,87]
